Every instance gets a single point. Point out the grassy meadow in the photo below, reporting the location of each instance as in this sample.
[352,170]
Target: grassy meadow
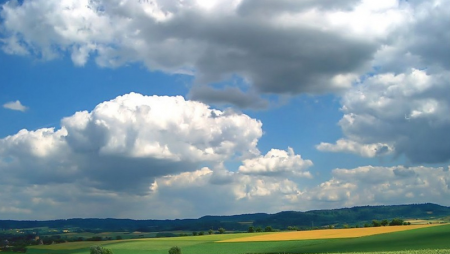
[434,239]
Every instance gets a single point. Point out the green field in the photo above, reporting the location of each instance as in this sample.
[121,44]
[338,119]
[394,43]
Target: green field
[430,240]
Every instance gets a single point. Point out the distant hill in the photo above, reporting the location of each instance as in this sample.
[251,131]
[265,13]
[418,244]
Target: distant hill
[354,215]
[318,218]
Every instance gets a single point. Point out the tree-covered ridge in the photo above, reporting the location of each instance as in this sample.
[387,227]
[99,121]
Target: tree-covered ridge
[282,220]
[354,215]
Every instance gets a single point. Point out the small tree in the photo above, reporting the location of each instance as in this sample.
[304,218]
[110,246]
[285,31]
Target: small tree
[210,231]
[384,222]
[268,229]
[194,233]
[175,250]
[251,229]
[396,222]
[221,230]
[258,229]
[201,233]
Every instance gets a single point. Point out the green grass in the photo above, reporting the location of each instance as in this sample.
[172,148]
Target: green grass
[435,251]
[428,251]
[435,239]
[68,246]
[124,235]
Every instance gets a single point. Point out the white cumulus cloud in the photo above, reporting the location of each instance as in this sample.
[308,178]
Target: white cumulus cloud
[132,151]
[277,162]
[123,144]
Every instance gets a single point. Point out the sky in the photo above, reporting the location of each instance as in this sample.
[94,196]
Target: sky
[153,109]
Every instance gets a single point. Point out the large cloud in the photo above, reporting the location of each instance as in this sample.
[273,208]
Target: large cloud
[403,104]
[286,48]
[143,152]
[407,113]
[124,143]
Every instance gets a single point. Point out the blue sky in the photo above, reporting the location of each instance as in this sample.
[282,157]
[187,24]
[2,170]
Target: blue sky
[290,103]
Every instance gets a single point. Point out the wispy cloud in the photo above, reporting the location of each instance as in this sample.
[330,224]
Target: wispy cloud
[15,105]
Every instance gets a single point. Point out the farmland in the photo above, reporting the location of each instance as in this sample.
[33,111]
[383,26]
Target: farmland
[414,239]
[326,234]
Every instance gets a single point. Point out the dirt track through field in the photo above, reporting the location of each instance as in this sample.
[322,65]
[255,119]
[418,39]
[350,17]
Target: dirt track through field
[326,233]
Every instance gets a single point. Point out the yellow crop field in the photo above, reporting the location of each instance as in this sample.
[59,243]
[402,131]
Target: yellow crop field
[326,233]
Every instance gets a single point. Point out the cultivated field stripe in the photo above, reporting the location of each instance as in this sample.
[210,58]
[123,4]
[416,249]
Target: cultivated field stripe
[326,233]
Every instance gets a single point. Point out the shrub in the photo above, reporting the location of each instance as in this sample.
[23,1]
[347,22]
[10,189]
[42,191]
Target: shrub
[175,250]
[100,250]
